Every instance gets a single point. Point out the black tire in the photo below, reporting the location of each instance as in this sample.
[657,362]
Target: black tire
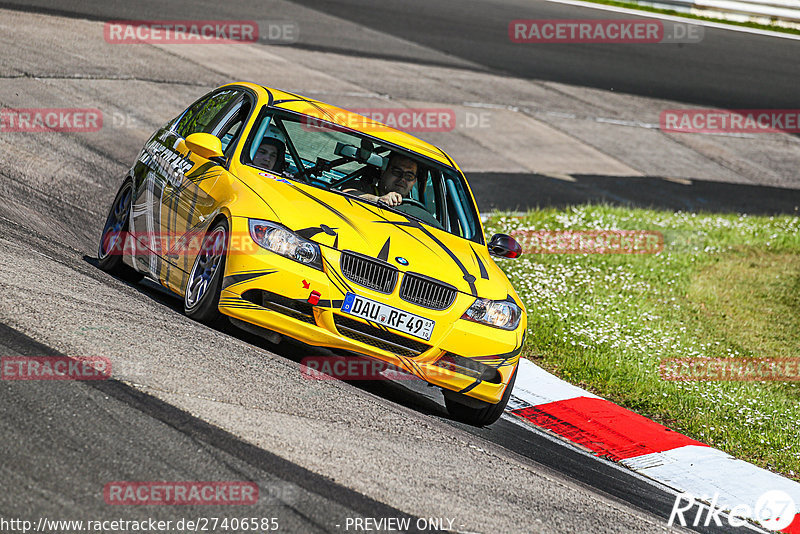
[115,230]
[201,303]
[479,413]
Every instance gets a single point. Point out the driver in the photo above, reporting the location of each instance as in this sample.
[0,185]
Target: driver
[270,155]
[394,184]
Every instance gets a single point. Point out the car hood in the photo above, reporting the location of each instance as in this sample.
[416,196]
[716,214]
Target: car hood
[345,223]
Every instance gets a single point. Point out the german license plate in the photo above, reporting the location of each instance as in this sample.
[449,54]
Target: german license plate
[379,313]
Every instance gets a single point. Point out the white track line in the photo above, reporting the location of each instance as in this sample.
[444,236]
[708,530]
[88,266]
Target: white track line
[650,14]
[700,471]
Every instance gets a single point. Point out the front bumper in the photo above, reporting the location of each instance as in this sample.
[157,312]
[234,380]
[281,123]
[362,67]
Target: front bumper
[268,290]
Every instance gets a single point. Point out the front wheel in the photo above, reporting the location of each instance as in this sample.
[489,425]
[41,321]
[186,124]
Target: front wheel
[201,300]
[477,413]
[115,231]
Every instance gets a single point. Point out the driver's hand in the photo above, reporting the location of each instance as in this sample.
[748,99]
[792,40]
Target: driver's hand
[392,198]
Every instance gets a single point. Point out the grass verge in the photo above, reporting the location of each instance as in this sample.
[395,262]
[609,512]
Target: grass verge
[724,286]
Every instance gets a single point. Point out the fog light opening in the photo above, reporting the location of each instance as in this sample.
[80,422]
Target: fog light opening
[468,367]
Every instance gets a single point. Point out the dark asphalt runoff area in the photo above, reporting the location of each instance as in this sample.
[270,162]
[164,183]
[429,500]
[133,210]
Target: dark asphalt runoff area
[727,69]
[63,441]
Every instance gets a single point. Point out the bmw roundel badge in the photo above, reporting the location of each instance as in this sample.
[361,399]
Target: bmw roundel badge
[401,260]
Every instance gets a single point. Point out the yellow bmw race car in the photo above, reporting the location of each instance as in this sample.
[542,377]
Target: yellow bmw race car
[295,217]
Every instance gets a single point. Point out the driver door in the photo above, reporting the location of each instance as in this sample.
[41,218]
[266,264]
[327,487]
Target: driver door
[189,201]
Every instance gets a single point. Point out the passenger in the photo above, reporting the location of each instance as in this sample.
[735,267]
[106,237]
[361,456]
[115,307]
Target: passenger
[394,183]
[271,155]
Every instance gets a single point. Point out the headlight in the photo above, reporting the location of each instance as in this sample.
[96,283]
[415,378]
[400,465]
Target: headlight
[282,241]
[503,314]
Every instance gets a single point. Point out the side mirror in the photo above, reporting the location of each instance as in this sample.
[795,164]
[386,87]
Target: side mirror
[505,246]
[205,145]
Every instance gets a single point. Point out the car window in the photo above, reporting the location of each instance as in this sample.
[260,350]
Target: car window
[185,118]
[230,125]
[464,223]
[314,143]
[346,161]
[202,116]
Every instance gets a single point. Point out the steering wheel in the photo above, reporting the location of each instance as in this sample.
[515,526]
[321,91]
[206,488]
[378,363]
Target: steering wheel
[413,202]
[306,173]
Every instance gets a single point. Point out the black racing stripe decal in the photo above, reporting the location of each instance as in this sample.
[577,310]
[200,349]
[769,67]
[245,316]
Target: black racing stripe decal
[398,224]
[170,210]
[197,173]
[328,230]
[333,210]
[238,278]
[452,163]
[377,326]
[338,278]
[297,98]
[484,274]
[334,277]
[497,363]
[384,253]
[240,306]
[270,96]
[470,387]
[237,301]
[508,358]
[310,232]
[180,244]
[254,271]
[256,193]
[290,100]
[189,227]
[506,355]
[407,364]
[338,284]
[469,278]
[203,173]
[415,365]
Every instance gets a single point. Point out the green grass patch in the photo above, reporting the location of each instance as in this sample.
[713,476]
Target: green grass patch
[724,286]
[650,9]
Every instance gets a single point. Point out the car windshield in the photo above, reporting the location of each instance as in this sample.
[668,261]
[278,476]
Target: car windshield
[337,159]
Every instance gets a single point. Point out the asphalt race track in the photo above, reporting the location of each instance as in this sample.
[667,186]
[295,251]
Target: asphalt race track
[187,402]
[729,69]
